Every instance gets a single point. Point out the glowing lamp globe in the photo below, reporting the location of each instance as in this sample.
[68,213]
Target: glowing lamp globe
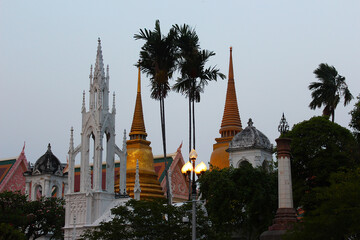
[200,168]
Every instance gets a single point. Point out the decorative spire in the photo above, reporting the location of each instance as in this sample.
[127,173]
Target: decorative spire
[107,82]
[49,147]
[137,189]
[99,73]
[138,126]
[91,74]
[231,70]
[71,148]
[250,122]
[283,126]
[124,142]
[231,123]
[113,106]
[83,108]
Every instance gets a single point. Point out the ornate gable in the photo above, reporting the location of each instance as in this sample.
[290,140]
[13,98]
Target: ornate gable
[11,173]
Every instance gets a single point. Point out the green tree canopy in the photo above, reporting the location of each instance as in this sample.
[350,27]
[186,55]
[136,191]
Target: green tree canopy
[355,119]
[33,218]
[328,90]
[151,220]
[193,74]
[158,58]
[338,214]
[8,232]
[319,148]
[242,199]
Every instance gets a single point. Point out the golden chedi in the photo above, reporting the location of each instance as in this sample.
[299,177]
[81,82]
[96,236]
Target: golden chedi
[138,148]
[230,125]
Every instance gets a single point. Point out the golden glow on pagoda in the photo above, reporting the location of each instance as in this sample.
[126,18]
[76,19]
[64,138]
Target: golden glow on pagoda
[139,148]
[230,125]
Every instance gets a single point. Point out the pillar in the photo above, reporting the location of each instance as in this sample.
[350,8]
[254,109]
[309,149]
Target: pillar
[285,215]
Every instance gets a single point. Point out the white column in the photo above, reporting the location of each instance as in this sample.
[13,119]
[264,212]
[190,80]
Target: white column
[27,190]
[97,169]
[110,164]
[285,185]
[284,173]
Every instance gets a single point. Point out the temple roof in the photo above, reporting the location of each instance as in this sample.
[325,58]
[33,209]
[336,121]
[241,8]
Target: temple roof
[48,163]
[250,138]
[231,123]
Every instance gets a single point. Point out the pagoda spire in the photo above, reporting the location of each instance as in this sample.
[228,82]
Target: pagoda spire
[138,130]
[231,123]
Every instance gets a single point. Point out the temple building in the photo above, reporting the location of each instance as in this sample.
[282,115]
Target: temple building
[138,149]
[46,178]
[11,173]
[230,125]
[250,146]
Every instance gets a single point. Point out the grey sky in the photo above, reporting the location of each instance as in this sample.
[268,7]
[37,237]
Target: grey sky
[47,47]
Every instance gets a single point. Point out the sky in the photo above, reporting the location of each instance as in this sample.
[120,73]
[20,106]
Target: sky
[47,47]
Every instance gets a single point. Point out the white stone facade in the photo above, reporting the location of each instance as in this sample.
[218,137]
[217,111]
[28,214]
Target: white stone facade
[85,207]
[251,146]
[256,157]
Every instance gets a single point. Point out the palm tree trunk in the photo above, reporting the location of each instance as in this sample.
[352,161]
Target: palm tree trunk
[162,115]
[189,122]
[193,118]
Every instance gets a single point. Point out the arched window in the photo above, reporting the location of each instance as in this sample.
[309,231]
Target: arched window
[38,192]
[243,162]
[55,191]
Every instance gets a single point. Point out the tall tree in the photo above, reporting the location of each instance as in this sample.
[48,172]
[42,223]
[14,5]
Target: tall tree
[355,119]
[33,218]
[338,214]
[151,220]
[318,148]
[240,200]
[194,76]
[328,91]
[158,60]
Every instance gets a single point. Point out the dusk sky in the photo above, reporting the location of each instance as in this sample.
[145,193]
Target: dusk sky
[47,47]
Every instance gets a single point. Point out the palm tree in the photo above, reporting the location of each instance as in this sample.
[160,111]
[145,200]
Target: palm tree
[158,60]
[328,91]
[194,77]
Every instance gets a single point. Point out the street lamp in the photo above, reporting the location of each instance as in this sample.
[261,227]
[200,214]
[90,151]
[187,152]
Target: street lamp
[186,170]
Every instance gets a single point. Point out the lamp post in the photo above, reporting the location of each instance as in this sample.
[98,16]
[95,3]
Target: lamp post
[187,169]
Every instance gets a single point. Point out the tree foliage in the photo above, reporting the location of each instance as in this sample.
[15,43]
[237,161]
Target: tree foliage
[194,76]
[319,148]
[151,220]
[158,58]
[338,214]
[8,232]
[242,199]
[355,119]
[33,218]
[328,90]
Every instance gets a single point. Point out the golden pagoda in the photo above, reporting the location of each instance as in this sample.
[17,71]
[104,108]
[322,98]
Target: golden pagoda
[138,148]
[230,125]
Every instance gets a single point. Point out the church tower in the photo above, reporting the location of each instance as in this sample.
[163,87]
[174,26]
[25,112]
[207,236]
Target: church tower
[97,146]
[138,149]
[230,125]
